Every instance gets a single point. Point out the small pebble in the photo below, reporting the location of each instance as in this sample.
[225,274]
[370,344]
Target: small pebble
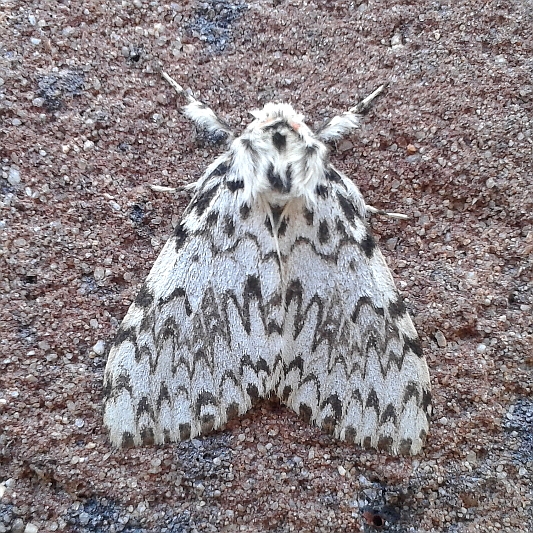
[471,457]
[396,40]
[17,526]
[344,146]
[14,176]
[441,339]
[88,145]
[391,243]
[99,348]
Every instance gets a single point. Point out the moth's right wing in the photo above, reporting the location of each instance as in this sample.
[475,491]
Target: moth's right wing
[202,340]
[353,363]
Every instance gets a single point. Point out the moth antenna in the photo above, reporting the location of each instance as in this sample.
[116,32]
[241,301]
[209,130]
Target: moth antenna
[202,115]
[376,211]
[342,125]
[163,188]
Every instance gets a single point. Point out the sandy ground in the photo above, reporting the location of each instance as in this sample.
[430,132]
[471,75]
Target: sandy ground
[87,124]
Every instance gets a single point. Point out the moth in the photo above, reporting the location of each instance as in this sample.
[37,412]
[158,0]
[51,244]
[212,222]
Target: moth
[271,285]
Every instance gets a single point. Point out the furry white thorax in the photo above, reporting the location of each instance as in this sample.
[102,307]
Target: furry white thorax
[278,157]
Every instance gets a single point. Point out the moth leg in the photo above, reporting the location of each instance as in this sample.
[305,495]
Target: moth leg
[375,211]
[202,115]
[342,125]
[365,103]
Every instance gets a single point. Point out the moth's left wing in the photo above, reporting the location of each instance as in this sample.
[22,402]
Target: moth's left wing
[353,363]
[201,342]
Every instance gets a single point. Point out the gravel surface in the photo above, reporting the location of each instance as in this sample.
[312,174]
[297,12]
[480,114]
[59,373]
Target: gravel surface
[87,124]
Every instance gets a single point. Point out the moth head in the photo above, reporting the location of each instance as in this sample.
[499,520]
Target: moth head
[287,160]
[283,125]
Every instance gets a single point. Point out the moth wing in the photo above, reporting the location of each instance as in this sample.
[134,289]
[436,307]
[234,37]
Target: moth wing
[352,356]
[202,339]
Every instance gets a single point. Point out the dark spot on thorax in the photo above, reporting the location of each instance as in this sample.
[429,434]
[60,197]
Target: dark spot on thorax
[275,179]
[280,141]
[322,191]
[288,178]
[235,185]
